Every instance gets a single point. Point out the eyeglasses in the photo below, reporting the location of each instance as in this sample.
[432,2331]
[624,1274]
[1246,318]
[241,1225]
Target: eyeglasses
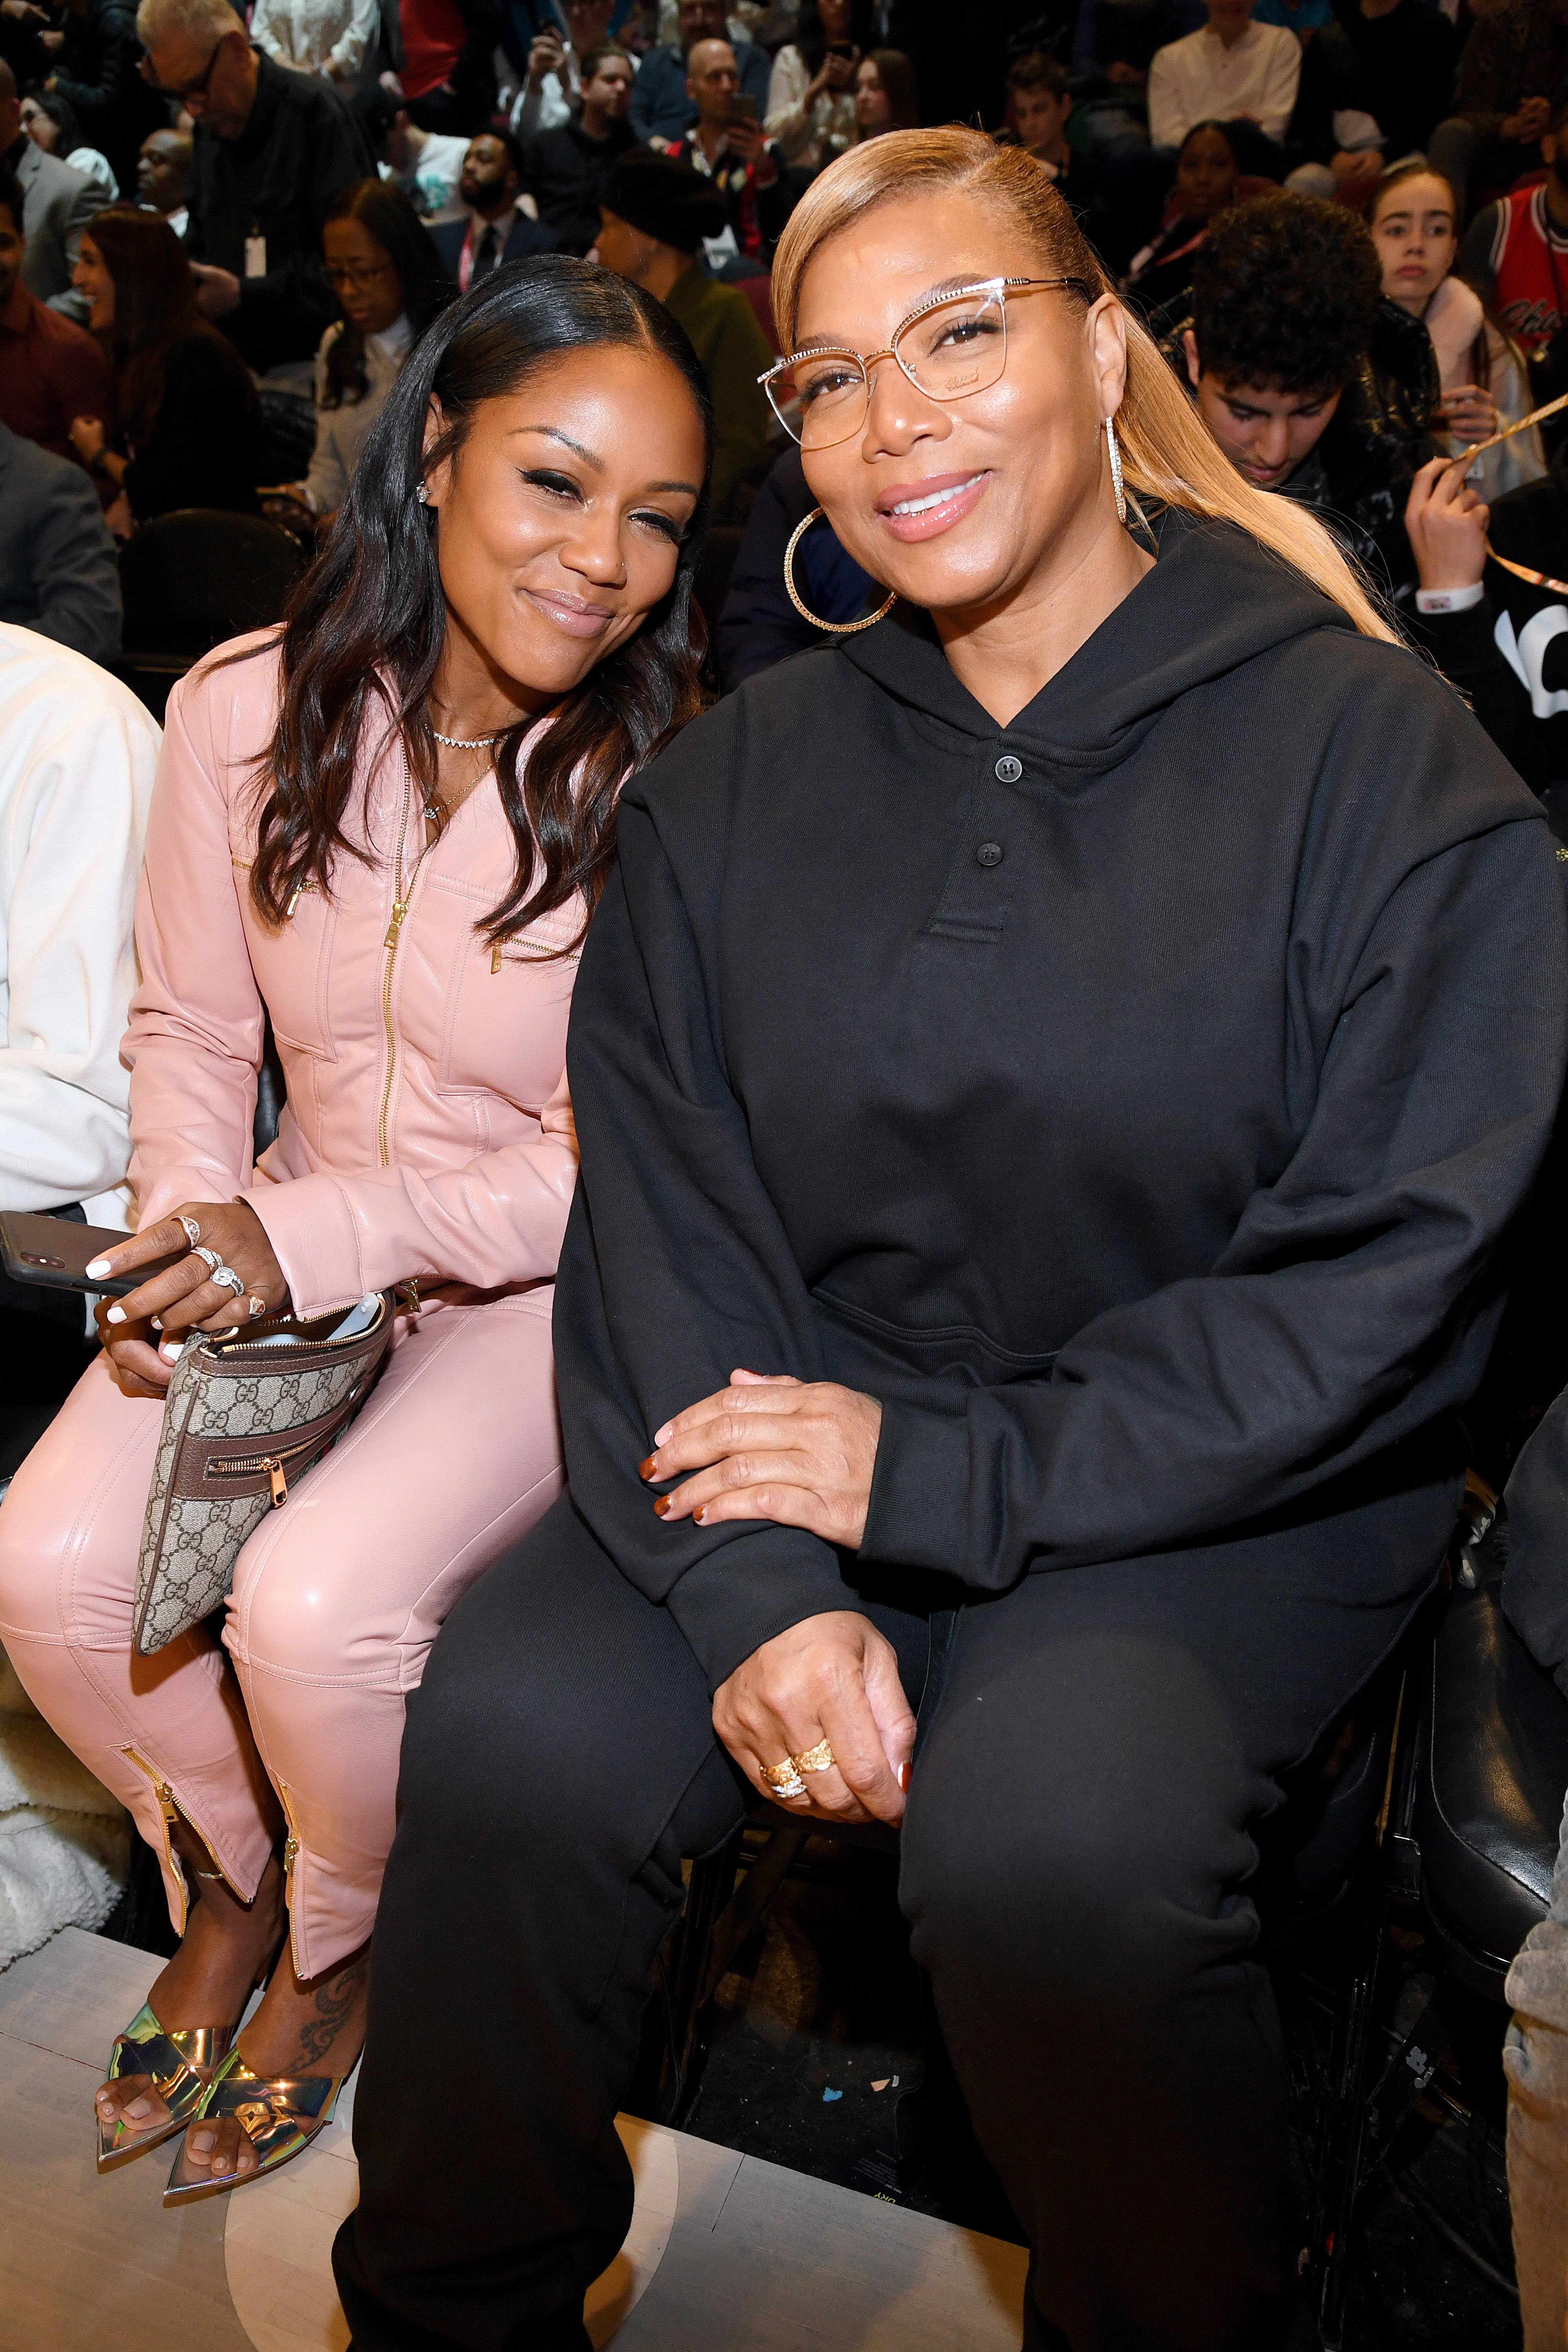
[355,279]
[184,91]
[951,347]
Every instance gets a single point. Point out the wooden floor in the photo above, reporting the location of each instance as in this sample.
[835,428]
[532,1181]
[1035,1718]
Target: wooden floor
[726,2253]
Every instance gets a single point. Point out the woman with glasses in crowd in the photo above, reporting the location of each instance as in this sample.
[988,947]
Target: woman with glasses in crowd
[188,415]
[383,828]
[390,284]
[1044,1131]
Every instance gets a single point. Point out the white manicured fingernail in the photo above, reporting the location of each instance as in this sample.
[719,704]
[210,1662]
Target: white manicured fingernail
[116,1315]
[170,1351]
[99,1266]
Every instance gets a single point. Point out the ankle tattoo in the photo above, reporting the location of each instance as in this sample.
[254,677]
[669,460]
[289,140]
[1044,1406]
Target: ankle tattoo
[334,2002]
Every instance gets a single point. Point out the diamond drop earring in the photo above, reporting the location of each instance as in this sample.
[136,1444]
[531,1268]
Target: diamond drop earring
[1115,456]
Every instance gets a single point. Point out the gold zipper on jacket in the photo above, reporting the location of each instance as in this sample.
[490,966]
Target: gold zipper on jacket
[171,1813]
[400,900]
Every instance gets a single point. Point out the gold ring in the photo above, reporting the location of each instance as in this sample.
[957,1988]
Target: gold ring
[816,1760]
[780,1775]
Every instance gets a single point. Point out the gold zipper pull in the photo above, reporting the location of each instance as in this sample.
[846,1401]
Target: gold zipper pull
[274,1469]
[399,909]
[495,957]
[410,1294]
[166,1804]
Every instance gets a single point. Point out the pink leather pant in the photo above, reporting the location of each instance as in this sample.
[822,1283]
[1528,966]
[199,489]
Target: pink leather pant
[337,1597]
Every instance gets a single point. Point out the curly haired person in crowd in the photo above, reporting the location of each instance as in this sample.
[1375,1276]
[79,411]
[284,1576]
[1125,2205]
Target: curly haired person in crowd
[1311,383]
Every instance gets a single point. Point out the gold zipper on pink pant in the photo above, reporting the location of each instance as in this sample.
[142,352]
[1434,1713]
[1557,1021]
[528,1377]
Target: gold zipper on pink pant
[171,1813]
[290,1856]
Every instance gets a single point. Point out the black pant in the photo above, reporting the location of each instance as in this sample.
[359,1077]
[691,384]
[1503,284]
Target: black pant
[1096,1749]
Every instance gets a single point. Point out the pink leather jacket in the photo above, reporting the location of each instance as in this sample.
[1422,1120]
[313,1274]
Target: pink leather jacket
[427,1131]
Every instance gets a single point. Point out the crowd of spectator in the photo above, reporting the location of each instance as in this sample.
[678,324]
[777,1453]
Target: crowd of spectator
[1345,223]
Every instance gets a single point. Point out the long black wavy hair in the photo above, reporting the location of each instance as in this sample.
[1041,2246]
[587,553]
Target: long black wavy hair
[365,627]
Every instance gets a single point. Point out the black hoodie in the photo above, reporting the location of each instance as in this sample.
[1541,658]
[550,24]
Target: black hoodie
[1129,1097]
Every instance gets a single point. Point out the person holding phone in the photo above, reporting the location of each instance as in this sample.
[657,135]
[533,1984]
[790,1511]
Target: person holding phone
[382,826]
[727,146]
[552,92]
[811,93]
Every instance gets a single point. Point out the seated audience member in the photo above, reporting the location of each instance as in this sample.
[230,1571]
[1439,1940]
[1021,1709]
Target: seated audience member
[811,96]
[385,273]
[188,412]
[563,169]
[746,168]
[1484,377]
[95,55]
[78,759]
[163,177]
[1230,67]
[654,216]
[1206,187]
[885,95]
[1409,55]
[323,37]
[552,92]
[1311,385]
[60,568]
[425,164]
[1042,102]
[56,205]
[51,370]
[1515,252]
[447,75]
[496,230]
[50,124]
[759,625]
[662,106]
[567,399]
[1502,641]
[268,149]
[1514,63]
[1342,144]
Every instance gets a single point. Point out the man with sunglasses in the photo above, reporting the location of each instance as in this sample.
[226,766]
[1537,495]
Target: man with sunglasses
[270,147]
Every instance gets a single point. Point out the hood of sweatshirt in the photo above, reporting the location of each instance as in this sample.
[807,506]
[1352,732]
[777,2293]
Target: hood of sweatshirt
[1142,657]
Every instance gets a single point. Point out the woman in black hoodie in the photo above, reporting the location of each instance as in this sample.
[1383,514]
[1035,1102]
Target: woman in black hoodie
[1051,1078]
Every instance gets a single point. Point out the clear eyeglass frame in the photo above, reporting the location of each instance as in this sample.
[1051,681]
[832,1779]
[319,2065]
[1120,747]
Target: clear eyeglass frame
[849,415]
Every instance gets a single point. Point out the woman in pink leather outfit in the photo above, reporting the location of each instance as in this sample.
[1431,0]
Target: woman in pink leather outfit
[400,890]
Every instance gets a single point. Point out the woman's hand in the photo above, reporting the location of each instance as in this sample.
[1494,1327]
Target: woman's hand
[835,1678]
[773,1448]
[118,517]
[1446,525]
[1470,413]
[87,437]
[184,1297]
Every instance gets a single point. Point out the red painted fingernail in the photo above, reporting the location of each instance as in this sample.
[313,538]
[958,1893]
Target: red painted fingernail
[904,1777]
[661,1505]
[645,1469]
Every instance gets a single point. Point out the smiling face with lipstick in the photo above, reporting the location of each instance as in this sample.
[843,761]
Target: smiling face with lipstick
[956,443]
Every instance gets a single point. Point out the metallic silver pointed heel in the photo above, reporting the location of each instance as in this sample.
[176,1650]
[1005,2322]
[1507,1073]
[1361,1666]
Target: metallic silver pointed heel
[179,2067]
[279,2115]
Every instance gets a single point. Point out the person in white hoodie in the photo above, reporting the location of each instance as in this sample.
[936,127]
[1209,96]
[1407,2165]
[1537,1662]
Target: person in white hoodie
[78,755]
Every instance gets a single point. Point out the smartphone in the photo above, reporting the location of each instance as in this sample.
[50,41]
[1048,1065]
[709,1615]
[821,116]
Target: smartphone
[742,106]
[56,1253]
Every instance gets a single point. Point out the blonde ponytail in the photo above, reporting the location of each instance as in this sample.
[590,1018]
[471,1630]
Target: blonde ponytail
[1167,452]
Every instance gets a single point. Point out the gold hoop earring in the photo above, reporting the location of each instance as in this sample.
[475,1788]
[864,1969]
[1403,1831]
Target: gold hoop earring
[1115,456]
[837,628]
